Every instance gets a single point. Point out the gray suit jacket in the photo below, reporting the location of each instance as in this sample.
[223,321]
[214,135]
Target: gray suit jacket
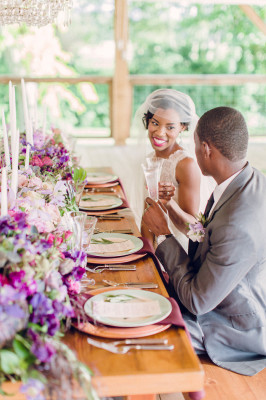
[224,285]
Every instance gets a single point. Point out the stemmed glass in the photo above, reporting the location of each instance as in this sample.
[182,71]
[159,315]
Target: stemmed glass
[152,172]
[81,223]
[79,190]
[89,226]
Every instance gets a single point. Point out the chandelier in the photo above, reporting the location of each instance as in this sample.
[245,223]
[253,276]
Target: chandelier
[34,12]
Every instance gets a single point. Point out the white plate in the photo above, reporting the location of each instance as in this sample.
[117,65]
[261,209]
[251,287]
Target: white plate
[100,177]
[117,201]
[138,244]
[140,295]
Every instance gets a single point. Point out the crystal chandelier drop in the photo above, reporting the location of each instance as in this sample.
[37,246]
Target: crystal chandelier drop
[34,12]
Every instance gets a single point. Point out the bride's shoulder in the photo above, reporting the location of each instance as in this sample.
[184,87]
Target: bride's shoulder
[187,166]
[180,155]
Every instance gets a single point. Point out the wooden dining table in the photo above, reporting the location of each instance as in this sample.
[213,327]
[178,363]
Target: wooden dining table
[138,374]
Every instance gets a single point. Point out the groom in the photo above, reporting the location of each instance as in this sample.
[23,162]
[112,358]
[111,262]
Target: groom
[221,282]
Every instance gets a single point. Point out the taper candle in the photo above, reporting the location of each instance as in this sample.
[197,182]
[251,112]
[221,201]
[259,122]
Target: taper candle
[4,193]
[6,145]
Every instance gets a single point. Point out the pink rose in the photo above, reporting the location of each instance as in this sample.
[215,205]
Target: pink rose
[47,161]
[73,286]
[36,161]
[68,234]
[51,238]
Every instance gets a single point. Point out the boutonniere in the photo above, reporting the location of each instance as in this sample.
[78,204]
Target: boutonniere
[196,231]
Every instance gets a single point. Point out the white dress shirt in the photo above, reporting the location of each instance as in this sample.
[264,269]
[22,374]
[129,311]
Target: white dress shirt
[219,189]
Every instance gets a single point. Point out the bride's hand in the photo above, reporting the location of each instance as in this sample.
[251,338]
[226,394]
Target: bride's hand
[166,191]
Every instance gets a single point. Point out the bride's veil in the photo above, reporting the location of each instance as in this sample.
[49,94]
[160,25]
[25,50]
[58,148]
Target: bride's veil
[184,105]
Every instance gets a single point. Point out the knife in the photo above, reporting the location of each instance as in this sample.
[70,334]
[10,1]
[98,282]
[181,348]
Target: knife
[116,267]
[129,231]
[100,189]
[110,216]
[142,285]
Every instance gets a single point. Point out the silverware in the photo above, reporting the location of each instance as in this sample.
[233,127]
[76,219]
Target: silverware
[141,285]
[129,231]
[108,216]
[99,190]
[124,349]
[114,267]
[139,341]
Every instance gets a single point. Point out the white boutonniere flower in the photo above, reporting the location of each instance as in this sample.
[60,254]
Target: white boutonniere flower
[196,231]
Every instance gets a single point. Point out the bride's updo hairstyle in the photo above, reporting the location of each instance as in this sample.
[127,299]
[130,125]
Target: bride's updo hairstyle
[169,99]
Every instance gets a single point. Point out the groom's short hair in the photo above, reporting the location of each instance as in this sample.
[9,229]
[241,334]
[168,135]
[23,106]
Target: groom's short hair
[225,128]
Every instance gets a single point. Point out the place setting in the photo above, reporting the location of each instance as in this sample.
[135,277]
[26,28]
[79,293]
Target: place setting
[114,248]
[101,204]
[122,313]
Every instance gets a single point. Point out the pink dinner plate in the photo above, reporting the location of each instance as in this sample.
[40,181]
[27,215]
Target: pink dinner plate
[112,211]
[118,333]
[100,185]
[115,260]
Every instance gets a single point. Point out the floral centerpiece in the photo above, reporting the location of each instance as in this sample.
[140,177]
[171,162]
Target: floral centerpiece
[40,274]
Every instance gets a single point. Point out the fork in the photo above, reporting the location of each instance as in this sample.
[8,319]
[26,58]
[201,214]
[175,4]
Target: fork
[124,349]
[97,230]
[100,268]
[146,285]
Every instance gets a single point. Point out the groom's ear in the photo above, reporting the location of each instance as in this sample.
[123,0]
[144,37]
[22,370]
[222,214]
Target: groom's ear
[206,149]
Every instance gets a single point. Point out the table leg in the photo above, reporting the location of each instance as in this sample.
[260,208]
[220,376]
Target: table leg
[141,397]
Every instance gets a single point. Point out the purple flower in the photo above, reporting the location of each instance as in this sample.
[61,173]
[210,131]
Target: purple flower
[62,309]
[42,307]
[8,295]
[13,311]
[16,280]
[42,350]
[33,389]
[53,325]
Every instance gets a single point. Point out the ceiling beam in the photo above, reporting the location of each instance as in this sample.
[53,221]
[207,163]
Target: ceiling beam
[254,17]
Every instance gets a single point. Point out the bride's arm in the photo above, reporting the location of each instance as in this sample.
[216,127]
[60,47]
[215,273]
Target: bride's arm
[188,178]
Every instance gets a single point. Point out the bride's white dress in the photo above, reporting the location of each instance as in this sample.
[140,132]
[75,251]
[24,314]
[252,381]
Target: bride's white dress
[168,175]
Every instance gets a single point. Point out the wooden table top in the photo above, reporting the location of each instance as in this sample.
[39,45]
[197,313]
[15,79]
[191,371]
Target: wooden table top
[137,373]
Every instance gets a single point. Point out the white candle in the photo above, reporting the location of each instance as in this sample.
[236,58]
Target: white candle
[4,193]
[6,146]
[14,176]
[13,121]
[27,158]
[25,111]
[31,133]
[11,112]
[44,121]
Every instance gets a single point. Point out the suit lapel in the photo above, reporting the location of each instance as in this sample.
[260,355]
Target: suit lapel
[235,185]
[241,179]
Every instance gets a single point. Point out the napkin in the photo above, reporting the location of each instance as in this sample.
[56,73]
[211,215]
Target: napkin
[97,203]
[118,245]
[148,249]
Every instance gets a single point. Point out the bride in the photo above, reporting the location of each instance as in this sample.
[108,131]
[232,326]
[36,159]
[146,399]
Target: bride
[165,114]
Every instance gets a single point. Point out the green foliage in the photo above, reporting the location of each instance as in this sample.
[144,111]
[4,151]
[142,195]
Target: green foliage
[9,362]
[165,37]
[79,176]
